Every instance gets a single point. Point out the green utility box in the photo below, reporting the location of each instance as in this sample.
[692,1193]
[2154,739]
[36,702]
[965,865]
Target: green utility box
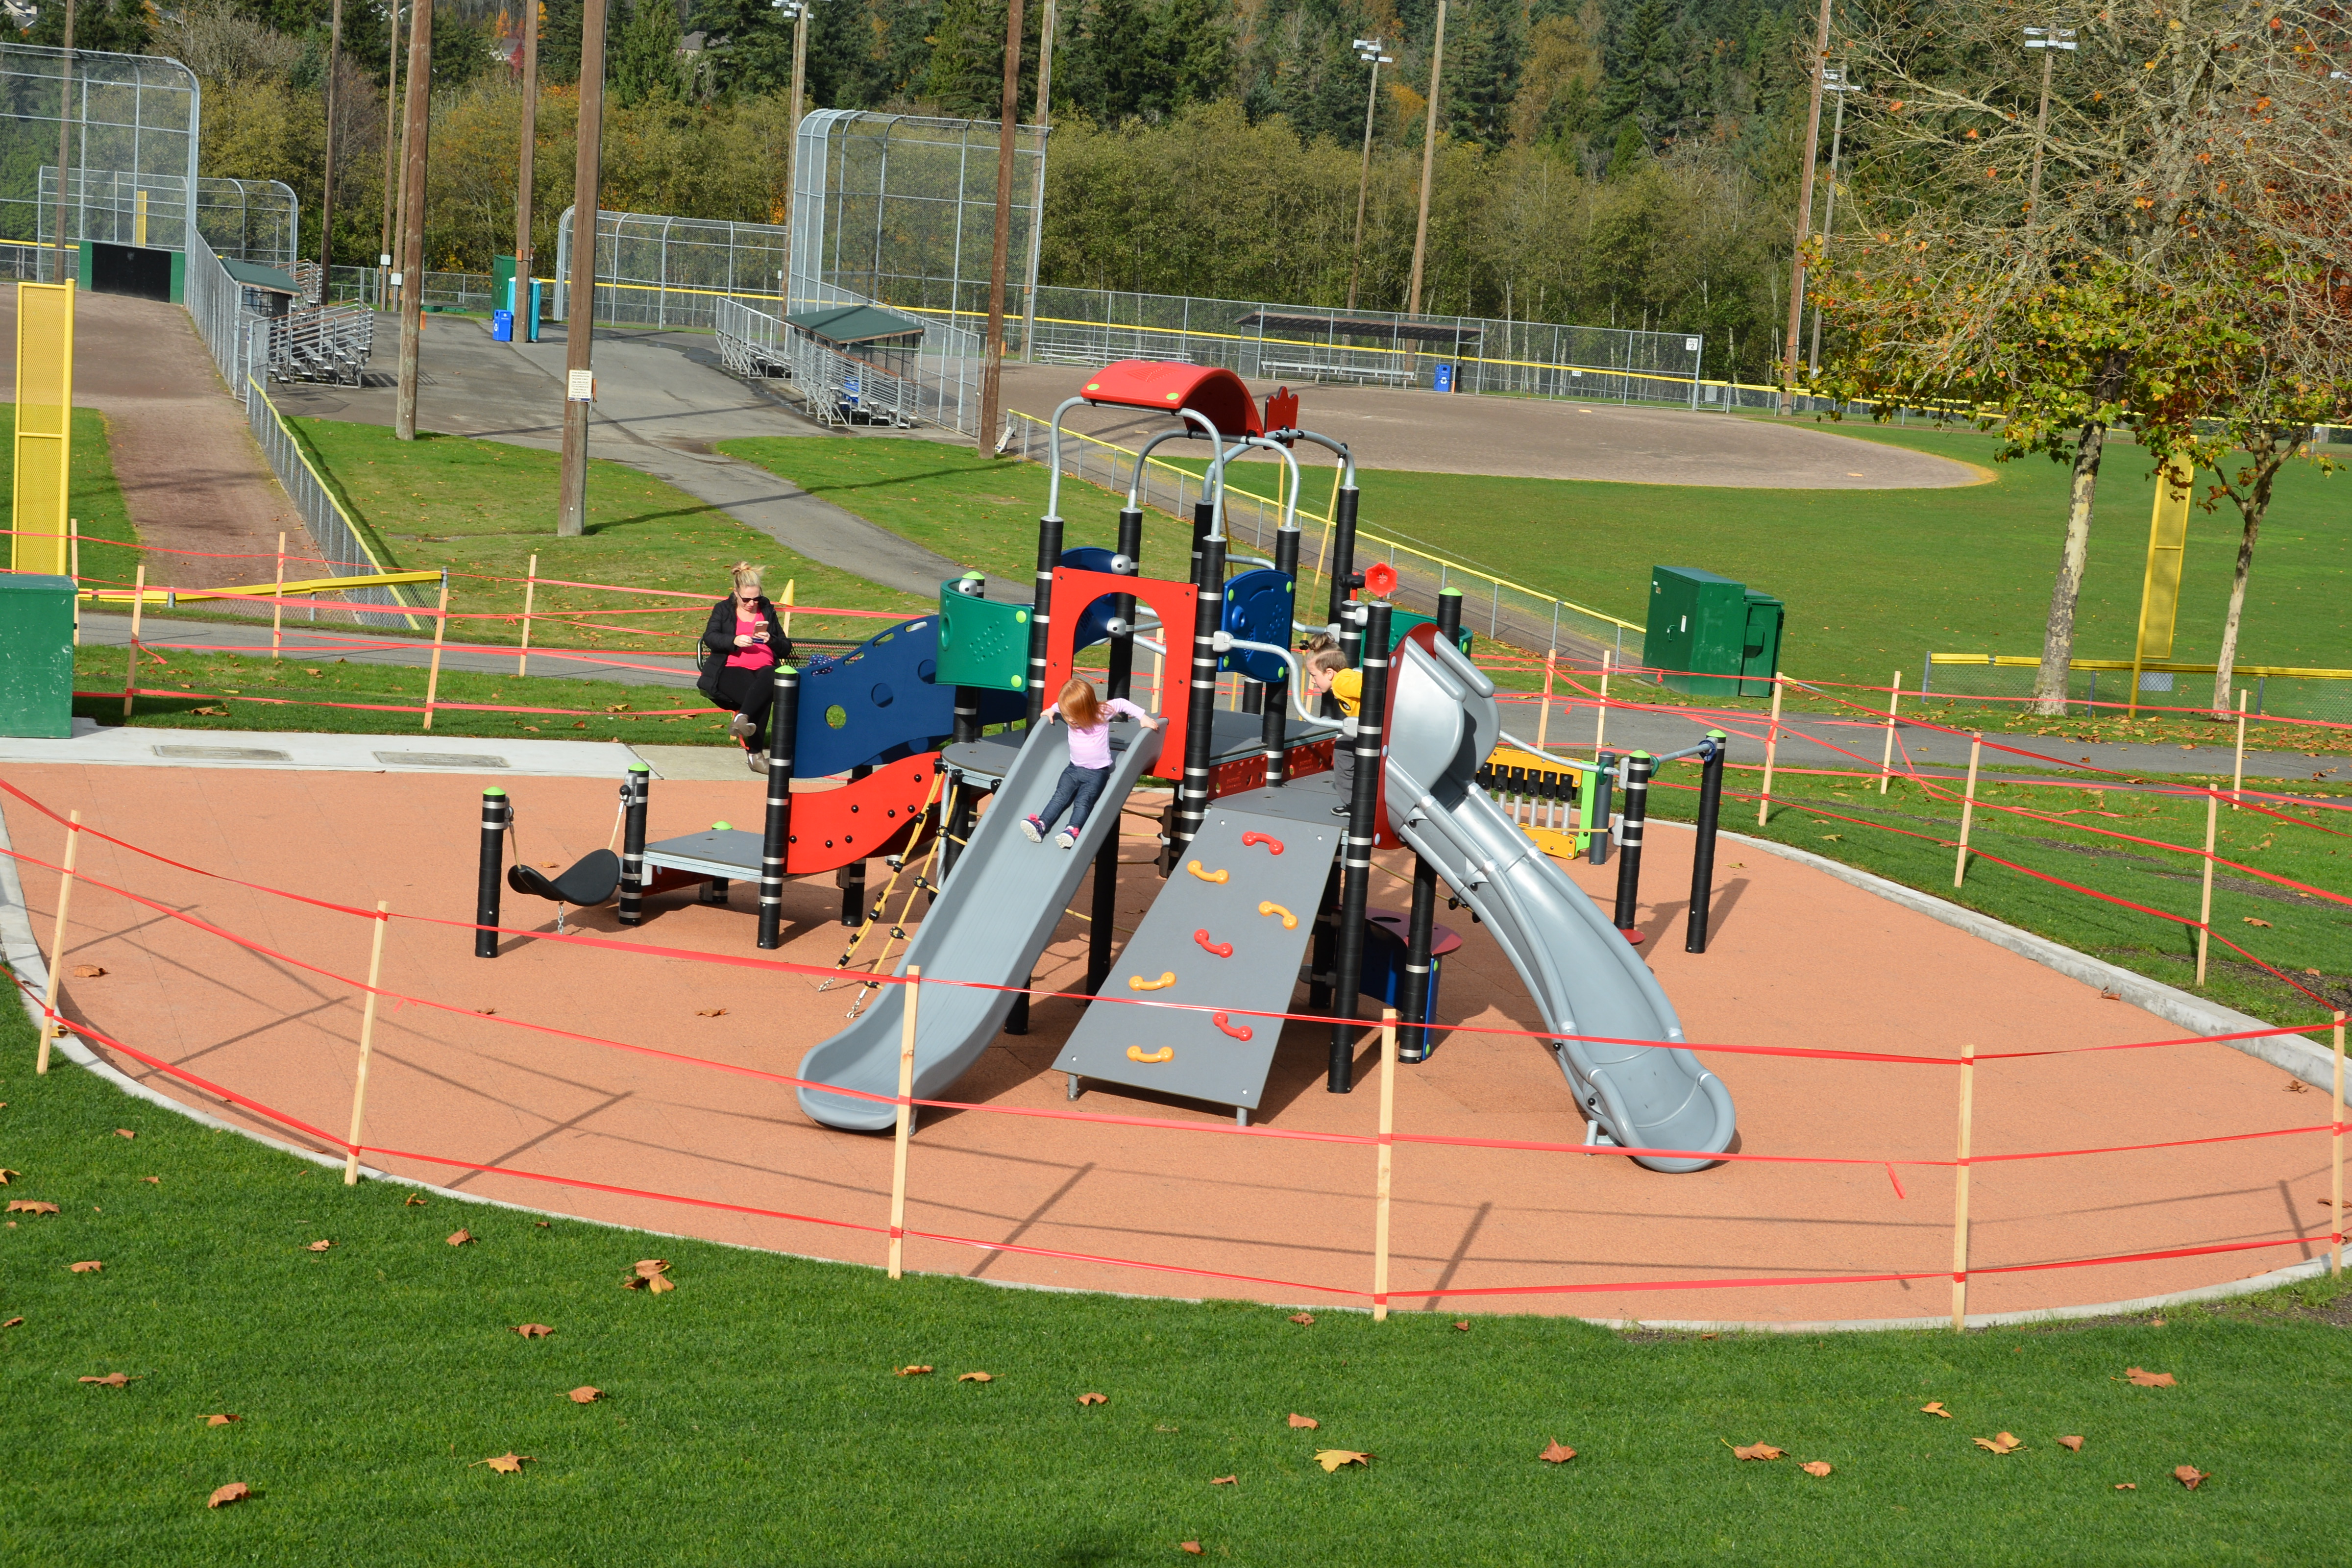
[1709,635]
[982,642]
[502,276]
[36,656]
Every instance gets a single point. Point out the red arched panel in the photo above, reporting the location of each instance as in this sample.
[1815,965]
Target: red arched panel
[1176,603]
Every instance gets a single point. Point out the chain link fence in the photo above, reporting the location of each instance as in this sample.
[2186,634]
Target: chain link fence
[135,115]
[2171,693]
[340,539]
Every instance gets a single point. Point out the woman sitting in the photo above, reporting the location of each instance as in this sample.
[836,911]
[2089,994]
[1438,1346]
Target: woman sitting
[746,642]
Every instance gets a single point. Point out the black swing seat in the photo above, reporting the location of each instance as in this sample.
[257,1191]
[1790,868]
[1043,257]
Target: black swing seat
[586,885]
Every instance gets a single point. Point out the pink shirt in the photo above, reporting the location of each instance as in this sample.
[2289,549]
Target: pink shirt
[758,656]
[1090,745]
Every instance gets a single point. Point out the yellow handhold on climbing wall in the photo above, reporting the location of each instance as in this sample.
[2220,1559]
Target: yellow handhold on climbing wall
[1137,982]
[1289,921]
[1137,1054]
[1217,876]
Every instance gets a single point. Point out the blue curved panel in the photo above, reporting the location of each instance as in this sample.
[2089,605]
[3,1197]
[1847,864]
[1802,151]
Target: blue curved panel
[1258,609]
[882,701]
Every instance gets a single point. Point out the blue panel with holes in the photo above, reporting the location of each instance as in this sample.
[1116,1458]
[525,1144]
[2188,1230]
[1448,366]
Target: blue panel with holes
[1257,609]
[882,701]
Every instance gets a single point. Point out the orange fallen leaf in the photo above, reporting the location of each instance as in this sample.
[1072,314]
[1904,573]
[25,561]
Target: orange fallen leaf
[505,1464]
[913,1371]
[152,1180]
[31,1206]
[2146,1379]
[124,1132]
[2126,1486]
[711,1011]
[1304,1423]
[235,1491]
[413,1201]
[1935,1407]
[1708,1336]
[2000,1443]
[534,1330]
[1192,1546]
[2188,1476]
[2111,995]
[7,1175]
[1093,1399]
[975,1378]
[221,1420]
[1224,1480]
[1332,1458]
[1306,1318]
[92,1267]
[1756,1451]
[2252,921]
[2072,1444]
[1464,1325]
[1556,1453]
[460,1237]
[1815,1468]
[585,1394]
[88,971]
[12,1323]
[647,1268]
[659,1283]
[111,1380]
[319,1246]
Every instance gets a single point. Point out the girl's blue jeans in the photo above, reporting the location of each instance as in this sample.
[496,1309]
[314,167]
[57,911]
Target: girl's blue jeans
[1076,792]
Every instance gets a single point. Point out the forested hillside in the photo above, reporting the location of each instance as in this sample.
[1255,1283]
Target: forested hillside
[1625,162]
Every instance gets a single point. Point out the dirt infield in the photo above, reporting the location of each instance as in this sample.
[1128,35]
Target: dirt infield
[1529,437]
[189,473]
[1798,960]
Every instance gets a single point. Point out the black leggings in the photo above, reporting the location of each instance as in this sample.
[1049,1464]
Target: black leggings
[751,692]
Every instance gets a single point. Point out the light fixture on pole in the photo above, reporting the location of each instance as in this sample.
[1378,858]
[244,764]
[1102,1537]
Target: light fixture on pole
[1369,51]
[1832,81]
[1429,162]
[2050,41]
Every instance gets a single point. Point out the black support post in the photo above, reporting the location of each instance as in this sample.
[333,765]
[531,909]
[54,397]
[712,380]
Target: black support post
[1118,683]
[1421,929]
[776,831]
[1122,679]
[497,812]
[1602,783]
[1355,865]
[1274,717]
[1710,807]
[1324,952]
[636,791]
[1049,556]
[1204,522]
[1449,615]
[1629,840]
[1343,567]
[852,881]
[1200,714]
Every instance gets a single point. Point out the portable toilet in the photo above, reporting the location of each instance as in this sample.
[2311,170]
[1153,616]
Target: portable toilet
[1709,635]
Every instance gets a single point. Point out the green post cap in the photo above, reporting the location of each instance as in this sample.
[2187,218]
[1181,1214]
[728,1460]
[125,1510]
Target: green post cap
[639,768]
[1716,735]
[494,790]
[722,827]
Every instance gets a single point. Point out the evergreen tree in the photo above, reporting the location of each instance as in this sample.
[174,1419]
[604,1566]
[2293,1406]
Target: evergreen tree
[1115,72]
[118,26]
[1483,69]
[645,62]
[967,74]
[559,40]
[1195,39]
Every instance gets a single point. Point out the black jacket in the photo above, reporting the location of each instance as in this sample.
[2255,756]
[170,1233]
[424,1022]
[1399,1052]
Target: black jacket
[718,639]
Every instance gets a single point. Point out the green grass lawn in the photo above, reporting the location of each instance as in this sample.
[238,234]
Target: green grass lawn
[95,498]
[752,1413]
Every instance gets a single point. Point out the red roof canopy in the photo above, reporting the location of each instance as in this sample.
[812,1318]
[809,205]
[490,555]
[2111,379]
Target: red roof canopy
[1215,394]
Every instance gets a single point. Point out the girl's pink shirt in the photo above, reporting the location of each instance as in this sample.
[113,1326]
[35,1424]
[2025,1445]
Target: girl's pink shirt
[1091,746]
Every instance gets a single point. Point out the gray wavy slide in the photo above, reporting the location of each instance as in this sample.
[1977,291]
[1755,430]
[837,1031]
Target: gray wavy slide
[1585,977]
[994,915]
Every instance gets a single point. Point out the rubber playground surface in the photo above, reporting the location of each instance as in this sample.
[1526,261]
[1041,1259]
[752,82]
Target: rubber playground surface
[1798,960]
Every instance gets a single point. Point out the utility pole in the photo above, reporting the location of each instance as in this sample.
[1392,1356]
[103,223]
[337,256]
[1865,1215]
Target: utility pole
[1044,120]
[65,146]
[798,11]
[1428,159]
[327,185]
[991,363]
[580,314]
[1369,51]
[1805,221]
[391,103]
[526,165]
[2050,41]
[1835,81]
[414,134]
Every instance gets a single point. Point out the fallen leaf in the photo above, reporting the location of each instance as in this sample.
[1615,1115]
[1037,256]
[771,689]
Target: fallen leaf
[505,1464]
[213,712]
[2252,921]
[1304,1423]
[1306,1318]
[583,1394]
[1706,1336]
[2072,1444]
[88,971]
[659,1283]
[1935,1407]
[13,1323]
[1832,837]
[2127,1487]
[1556,1453]
[111,1380]
[124,1132]
[152,1180]
[235,1491]
[2155,1322]
[913,1371]
[2314,974]
[1756,1451]
[307,671]
[1093,1399]
[2188,1476]
[630,1282]
[2146,1379]
[413,1201]
[534,1330]
[975,1378]
[2000,1443]
[2111,995]
[6,1175]
[221,1420]
[485,1012]
[31,1206]
[1332,1458]
[320,1246]
[1192,1546]
[1224,1480]
[1464,1325]
[460,1237]
[92,1267]
[711,1011]
[647,1268]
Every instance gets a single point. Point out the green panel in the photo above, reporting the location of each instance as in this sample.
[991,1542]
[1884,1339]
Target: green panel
[82,254]
[1759,654]
[179,278]
[36,656]
[1698,630]
[982,642]
[502,271]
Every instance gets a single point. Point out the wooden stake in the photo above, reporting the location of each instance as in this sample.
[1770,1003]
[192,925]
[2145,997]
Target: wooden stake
[1600,711]
[1771,754]
[277,604]
[2336,1151]
[1381,1189]
[367,1045]
[130,670]
[1543,714]
[2238,772]
[57,949]
[2205,900]
[530,593]
[906,1119]
[1968,809]
[1960,1194]
[1894,705]
[440,626]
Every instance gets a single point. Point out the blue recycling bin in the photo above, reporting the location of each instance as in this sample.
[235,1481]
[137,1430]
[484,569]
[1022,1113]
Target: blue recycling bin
[502,326]
[1442,381]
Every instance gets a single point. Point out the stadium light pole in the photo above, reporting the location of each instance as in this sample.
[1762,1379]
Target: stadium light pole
[1832,81]
[1369,51]
[65,140]
[391,107]
[1044,120]
[327,177]
[2050,41]
[526,165]
[1428,161]
[991,362]
[580,303]
[414,136]
[1805,220]
[796,11]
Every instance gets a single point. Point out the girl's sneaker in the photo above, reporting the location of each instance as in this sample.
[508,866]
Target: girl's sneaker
[1033,829]
[1066,839]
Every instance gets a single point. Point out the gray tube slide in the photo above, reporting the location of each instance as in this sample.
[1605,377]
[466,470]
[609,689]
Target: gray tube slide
[994,916]
[1585,977]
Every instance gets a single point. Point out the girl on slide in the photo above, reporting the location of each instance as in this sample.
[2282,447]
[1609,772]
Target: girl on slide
[746,642]
[1082,781]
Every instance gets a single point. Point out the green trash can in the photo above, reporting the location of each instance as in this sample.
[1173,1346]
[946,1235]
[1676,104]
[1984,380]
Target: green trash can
[1709,635]
[36,656]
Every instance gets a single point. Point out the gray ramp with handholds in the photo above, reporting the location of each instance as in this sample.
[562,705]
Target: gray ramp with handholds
[1226,932]
[994,916]
[1585,977]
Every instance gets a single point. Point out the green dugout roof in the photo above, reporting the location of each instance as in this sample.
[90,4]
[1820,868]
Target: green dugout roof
[253,275]
[856,325]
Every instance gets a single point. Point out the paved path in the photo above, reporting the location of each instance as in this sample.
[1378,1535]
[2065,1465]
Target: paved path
[662,401]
